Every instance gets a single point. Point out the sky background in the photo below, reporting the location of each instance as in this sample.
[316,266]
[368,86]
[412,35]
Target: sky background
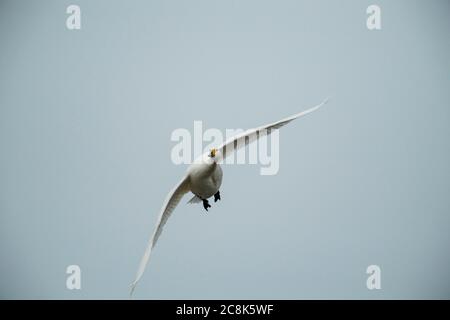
[86,118]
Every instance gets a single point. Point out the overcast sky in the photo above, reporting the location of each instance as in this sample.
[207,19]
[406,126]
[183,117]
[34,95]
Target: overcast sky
[86,118]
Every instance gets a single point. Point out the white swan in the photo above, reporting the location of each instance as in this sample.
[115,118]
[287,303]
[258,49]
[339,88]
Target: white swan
[204,177]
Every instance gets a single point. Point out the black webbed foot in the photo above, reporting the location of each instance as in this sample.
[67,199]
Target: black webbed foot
[206,204]
[217,196]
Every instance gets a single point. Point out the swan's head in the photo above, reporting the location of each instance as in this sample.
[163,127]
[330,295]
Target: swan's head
[212,153]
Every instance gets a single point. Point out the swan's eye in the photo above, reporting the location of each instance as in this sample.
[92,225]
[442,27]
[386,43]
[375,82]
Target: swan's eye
[213,153]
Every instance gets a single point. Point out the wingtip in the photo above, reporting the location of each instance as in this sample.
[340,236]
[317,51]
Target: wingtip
[316,107]
[325,101]
[132,287]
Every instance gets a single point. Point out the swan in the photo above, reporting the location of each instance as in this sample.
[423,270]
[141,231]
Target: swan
[203,179]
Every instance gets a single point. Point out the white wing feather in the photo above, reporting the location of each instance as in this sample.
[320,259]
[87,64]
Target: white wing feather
[251,135]
[172,200]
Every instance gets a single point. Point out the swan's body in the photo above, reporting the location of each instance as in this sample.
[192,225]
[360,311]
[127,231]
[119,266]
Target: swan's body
[204,178]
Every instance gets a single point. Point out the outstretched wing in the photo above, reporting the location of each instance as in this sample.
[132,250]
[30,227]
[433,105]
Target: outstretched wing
[172,200]
[251,135]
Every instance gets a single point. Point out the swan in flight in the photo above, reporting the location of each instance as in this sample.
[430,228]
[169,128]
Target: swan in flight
[204,177]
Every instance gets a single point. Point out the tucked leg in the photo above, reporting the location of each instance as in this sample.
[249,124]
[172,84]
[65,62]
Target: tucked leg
[217,196]
[206,204]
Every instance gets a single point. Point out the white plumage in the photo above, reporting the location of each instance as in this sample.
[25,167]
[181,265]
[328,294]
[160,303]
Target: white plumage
[204,178]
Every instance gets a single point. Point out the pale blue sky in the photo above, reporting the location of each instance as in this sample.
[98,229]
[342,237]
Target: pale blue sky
[85,124]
